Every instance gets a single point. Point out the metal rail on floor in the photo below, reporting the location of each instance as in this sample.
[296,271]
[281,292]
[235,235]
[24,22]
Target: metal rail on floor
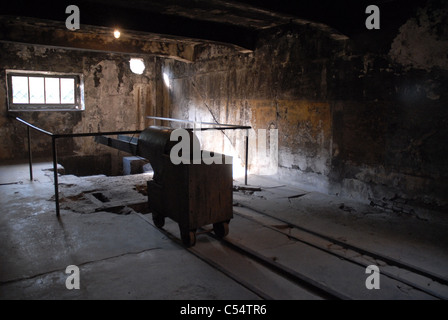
[305,282]
[397,264]
[55,136]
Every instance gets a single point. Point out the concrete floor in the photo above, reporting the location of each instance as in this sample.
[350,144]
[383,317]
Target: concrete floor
[119,256]
[122,256]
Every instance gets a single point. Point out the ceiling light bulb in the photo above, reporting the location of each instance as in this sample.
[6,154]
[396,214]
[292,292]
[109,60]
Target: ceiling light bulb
[116,34]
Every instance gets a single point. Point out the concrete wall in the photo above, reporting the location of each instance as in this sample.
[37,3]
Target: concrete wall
[357,124]
[370,126]
[115,99]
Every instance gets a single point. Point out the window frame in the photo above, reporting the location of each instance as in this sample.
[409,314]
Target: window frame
[78,104]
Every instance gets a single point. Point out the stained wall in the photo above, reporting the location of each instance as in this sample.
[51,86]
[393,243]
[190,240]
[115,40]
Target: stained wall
[115,100]
[363,125]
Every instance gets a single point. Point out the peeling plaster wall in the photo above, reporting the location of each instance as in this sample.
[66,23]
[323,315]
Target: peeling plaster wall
[390,132]
[422,42]
[115,99]
[282,85]
[360,125]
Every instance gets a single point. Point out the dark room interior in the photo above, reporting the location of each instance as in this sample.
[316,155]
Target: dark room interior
[224,150]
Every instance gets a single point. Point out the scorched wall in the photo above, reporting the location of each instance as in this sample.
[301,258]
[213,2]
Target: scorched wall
[370,126]
[115,100]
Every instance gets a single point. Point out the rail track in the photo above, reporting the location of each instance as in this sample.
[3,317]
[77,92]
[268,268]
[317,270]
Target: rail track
[278,260]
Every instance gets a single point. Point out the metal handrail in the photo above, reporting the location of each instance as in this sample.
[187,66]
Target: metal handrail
[221,126]
[218,126]
[55,136]
[34,127]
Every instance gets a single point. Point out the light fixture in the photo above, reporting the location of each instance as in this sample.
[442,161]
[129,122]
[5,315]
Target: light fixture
[137,65]
[117,33]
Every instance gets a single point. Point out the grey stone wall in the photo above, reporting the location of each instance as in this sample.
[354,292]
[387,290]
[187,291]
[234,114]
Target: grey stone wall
[370,126]
[115,99]
[366,125]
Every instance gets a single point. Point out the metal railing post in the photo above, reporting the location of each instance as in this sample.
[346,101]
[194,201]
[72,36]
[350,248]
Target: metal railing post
[30,156]
[247,157]
[55,172]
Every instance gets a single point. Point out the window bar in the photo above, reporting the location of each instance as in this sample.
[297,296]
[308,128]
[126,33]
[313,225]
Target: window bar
[29,90]
[75,84]
[45,90]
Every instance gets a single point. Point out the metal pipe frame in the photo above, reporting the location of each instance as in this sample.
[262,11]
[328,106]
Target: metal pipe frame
[221,126]
[54,150]
[216,126]
[30,155]
[54,136]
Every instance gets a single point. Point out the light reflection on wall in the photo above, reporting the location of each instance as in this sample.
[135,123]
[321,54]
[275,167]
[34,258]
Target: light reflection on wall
[166,80]
[263,144]
[231,143]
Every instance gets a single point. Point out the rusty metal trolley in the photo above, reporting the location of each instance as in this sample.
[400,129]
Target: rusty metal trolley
[192,193]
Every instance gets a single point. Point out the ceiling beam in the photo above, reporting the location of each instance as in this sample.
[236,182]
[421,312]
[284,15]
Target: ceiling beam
[94,38]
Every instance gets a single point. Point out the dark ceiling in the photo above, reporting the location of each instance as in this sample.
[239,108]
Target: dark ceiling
[233,21]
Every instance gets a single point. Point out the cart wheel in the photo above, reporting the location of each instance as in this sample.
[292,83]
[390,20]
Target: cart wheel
[188,238]
[158,220]
[221,229]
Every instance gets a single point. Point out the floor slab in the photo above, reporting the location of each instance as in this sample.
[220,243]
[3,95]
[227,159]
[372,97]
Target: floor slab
[122,256]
